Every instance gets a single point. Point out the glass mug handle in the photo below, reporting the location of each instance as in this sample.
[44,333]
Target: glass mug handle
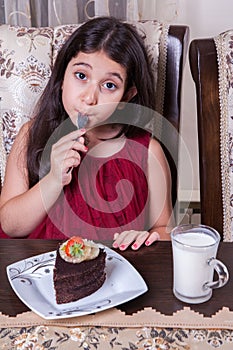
[223,274]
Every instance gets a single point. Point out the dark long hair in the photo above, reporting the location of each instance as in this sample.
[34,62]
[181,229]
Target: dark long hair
[122,43]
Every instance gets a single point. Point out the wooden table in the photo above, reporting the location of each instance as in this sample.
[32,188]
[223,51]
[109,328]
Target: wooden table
[153,263]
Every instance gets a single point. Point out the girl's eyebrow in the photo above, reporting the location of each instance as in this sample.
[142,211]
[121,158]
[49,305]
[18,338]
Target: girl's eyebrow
[115,74]
[83,64]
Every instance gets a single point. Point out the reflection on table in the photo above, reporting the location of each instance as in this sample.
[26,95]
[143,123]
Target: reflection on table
[153,263]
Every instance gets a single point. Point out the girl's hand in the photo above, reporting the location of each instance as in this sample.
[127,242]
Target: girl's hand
[134,238]
[65,155]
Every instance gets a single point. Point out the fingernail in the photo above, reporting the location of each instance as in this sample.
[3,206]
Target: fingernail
[122,247]
[85,148]
[83,130]
[115,245]
[135,246]
[147,243]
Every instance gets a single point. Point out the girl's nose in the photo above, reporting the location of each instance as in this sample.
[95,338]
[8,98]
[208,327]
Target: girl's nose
[89,96]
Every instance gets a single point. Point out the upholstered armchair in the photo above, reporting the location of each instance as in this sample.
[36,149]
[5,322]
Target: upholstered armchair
[211,62]
[27,56]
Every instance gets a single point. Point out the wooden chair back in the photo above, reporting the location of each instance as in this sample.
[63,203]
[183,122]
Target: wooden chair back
[204,69]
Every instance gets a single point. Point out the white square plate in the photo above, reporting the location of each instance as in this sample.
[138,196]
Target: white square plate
[32,281]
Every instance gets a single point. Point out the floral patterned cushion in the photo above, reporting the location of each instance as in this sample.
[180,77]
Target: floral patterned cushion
[25,67]
[27,56]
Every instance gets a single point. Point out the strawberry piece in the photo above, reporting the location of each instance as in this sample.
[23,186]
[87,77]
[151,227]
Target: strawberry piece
[74,247]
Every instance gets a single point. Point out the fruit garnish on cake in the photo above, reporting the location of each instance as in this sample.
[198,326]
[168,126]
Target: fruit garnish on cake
[79,269]
[76,250]
[74,247]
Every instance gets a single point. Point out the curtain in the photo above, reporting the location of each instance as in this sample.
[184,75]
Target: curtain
[55,12]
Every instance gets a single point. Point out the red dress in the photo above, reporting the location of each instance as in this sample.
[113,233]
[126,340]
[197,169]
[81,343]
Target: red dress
[106,195]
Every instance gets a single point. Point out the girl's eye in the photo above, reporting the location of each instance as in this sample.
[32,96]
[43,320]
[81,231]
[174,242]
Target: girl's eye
[110,86]
[80,75]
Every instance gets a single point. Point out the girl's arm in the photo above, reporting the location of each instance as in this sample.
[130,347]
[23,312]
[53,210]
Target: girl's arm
[21,208]
[159,178]
[160,203]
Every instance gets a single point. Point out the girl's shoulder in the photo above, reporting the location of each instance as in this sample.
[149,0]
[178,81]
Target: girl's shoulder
[155,144]
[156,150]
[21,138]
[24,129]
[149,141]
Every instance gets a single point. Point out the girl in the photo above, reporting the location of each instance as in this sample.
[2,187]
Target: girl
[107,180]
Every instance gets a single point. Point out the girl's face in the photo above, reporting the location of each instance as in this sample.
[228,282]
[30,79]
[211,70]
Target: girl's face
[93,85]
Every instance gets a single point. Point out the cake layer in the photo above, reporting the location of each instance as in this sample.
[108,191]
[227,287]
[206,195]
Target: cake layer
[64,268]
[67,295]
[78,279]
[75,281]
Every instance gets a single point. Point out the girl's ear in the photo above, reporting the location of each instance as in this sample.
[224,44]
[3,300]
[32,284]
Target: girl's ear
[129,94]
[127,97]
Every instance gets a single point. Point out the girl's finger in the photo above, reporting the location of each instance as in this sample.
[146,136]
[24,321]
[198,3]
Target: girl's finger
[118,239]
[154,236]
[140,239]
[126,238]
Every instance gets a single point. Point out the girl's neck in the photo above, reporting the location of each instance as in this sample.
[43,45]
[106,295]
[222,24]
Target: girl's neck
[102,133]
[102,141]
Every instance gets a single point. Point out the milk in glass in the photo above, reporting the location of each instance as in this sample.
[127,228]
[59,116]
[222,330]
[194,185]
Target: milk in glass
[191,253]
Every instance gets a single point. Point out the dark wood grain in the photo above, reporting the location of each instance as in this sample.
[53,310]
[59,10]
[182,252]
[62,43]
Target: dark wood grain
[204,68]
[153,263]
[177,47]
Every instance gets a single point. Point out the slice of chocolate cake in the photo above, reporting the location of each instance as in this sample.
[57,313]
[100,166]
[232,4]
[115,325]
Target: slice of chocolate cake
[79,270]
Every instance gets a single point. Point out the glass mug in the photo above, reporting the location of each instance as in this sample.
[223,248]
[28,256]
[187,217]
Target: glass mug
[194,249]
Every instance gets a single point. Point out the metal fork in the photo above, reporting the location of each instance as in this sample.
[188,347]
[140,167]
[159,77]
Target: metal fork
[82,120]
